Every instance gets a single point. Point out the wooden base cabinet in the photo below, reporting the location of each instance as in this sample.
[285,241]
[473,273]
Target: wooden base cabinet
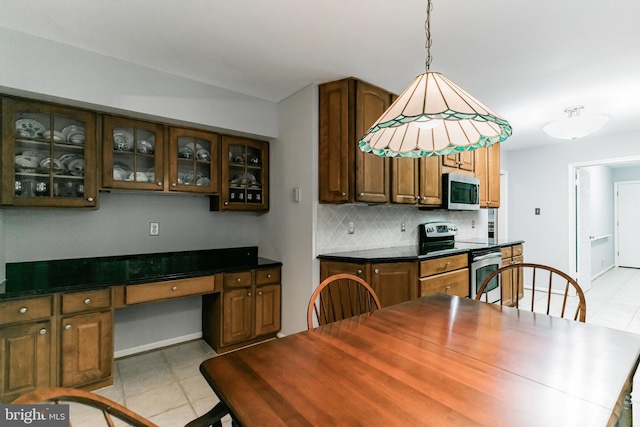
[449,275]
[393,282]
[25,358]
[87,348]
[512,255]
[248,309]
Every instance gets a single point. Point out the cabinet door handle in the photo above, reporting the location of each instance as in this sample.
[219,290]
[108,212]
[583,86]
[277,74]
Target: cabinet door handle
[175,288]
[359,272]
[361,194]
[67,327]
[268,276]
[23,310]
[87,301]
[344,194]
[259,293]
[418,198]
[159,184]
[248,294]
[173,184]
[376,271]
[226,203]
[447,288]
[43,331]
[89,199]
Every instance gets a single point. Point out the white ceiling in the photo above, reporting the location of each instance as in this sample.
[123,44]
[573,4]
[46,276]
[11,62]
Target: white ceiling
[526,60]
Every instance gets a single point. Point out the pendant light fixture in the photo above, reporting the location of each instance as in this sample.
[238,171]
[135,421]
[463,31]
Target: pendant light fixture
[575,126]
[433,117]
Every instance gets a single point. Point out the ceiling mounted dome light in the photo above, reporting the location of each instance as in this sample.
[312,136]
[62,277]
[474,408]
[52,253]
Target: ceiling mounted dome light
[433,117]
[575,126]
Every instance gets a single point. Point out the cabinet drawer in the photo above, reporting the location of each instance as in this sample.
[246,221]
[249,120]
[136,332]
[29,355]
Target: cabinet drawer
[26,309]
[516,250]
[452,283]
[78,302]
[235,280]
[157,291]
[442,265]
[506,252]
[267,276]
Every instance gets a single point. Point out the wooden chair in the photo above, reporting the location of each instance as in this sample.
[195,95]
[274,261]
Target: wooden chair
[548,288]
[109,408]
[339,297]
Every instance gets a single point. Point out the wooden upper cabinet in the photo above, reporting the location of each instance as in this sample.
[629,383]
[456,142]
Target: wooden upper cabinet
[193,161]
[463,162]
[416,181]
[132,154]
[372,172]
[488,171]
[49,155]
[347,110]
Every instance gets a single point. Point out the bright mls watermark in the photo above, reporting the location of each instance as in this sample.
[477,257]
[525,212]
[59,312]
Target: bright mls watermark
[34,415]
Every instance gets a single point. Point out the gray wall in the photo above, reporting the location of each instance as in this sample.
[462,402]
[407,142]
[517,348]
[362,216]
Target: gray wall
[539,177]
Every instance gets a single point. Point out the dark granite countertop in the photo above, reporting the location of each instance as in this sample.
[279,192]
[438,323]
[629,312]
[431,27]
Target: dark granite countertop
[413,253]
[42,277]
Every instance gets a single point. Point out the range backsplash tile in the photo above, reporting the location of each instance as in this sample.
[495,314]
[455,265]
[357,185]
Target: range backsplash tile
[379,226]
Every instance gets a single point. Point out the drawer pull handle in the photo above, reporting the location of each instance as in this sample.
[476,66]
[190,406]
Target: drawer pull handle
[376,271]
[87,301]
[268,276]
[23,310]
[238,280]
[448,288]
[67,327]
[175,288]
[43,331]
[359,272]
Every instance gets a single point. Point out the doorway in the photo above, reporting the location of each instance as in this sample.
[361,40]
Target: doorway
[582,239]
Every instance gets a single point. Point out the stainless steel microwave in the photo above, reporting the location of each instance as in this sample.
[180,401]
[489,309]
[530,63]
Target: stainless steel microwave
[460,192]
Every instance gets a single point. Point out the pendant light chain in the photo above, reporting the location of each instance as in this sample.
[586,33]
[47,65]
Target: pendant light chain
[427,32]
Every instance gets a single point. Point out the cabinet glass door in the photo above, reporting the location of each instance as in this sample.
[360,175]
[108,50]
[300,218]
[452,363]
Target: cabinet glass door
[245,178]
[132,154]
[46,151]
[193,161]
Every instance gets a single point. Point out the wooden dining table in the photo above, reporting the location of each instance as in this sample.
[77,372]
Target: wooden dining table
[434,361]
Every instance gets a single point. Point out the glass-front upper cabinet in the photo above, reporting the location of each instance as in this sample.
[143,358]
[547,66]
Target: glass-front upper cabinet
[132,154]
[49,155]
[245,175]
[193,161]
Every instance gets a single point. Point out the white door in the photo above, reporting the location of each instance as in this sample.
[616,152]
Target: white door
[628,209]
[583,228]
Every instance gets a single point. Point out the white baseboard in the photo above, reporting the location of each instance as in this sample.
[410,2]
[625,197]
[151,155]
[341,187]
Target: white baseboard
[156,345]
[602,272]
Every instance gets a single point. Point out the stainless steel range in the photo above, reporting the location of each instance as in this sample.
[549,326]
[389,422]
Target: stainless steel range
[484,256]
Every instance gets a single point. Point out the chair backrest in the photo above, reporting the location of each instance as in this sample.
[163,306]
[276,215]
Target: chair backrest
[539,288]
[65,395]
[339,297]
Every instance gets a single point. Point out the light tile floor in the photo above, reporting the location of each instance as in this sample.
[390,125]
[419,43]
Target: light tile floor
[166,386]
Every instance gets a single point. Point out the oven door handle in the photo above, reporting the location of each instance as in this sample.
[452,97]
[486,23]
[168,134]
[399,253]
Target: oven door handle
[487,256]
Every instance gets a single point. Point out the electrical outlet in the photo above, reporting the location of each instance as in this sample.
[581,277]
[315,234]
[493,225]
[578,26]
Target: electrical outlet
[351,228]
[154,229]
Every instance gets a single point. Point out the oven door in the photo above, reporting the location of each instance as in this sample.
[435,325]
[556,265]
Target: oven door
[481,267]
